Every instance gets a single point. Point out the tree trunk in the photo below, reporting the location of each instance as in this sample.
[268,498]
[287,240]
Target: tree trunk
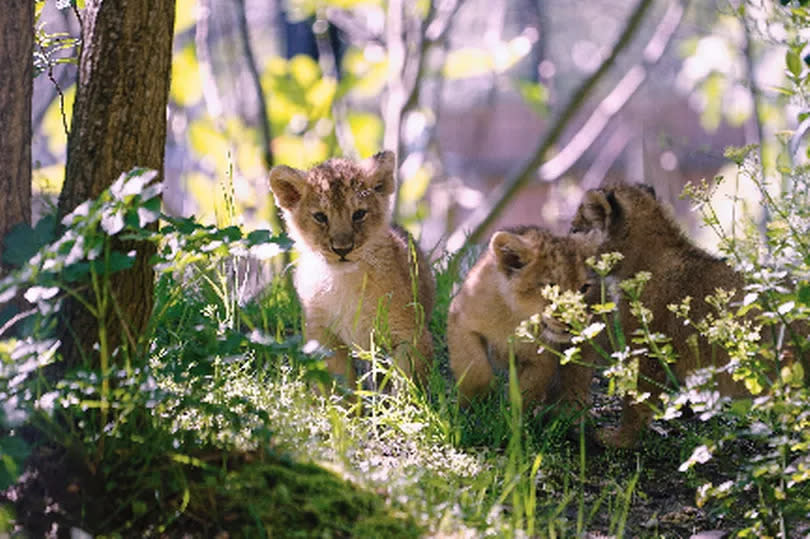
[16,88]
[119,122]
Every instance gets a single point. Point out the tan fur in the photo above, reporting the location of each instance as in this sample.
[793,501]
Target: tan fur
[352,259]
[500,291]
[636,225]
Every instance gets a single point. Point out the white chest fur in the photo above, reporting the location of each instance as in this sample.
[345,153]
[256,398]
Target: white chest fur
[337,296]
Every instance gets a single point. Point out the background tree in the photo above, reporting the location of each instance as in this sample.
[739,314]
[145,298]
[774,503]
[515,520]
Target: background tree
[16,53]
[119,122]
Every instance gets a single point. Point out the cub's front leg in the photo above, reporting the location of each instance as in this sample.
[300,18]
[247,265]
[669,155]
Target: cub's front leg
[415,358]
[468,360]
[338,361]
[537,373]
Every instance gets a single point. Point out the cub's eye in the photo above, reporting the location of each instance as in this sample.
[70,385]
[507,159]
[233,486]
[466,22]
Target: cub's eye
[379,187]
[585,288]
[320,217]
[359,215]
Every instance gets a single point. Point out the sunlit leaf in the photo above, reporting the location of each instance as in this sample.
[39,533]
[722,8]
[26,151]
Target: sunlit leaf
[209,143]
[364,74]
[535,94]
[300,10]
[52,123]
[299,152]
[203,192]
[320,97]
[476,61]
[185,15]
[414,187]
[248,159]
[367,130]
[793,62]
[713,89]
[48,179]
[186,89]
[304,70]
[467,62]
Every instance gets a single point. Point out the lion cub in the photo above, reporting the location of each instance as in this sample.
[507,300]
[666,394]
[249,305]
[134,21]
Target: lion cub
[639,227]
[352,261]
[501,290]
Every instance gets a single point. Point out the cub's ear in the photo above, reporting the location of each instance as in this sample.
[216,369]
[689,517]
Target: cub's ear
[288,186]
[511,252]
[380,171]
[598,211]
[649,189]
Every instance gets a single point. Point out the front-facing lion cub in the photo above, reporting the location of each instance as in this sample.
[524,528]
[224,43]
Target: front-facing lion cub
[353,263]
[502,289]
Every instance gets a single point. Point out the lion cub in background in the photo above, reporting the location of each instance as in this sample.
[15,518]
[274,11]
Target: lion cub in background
[500,291]
[351,259]
[635,224]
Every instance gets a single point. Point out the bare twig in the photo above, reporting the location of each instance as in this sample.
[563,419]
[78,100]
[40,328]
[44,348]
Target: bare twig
[211,98]
[616,99]
[395,41]
[327,59]
[253,70]
[481,219]
[607,155]
[407,68]
[16,318]
[756,97]
[264,118]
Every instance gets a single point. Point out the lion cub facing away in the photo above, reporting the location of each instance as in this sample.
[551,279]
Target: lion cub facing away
[501,290]
[351,259]
[636,225]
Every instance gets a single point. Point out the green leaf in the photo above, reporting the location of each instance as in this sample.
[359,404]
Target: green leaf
[535,95]
[804,293]
[13,452]
[259,236]
[22,242]
[794,63]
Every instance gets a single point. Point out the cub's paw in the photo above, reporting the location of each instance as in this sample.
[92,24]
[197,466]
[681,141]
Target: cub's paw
[616,437]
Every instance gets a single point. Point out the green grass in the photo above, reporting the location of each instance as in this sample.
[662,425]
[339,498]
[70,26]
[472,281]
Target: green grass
[231,423]
[232,435]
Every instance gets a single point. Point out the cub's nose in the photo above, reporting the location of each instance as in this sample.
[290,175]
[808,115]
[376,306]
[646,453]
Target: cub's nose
[342,249]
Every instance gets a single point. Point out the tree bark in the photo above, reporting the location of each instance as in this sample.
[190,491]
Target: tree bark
[119,122]
[16,89]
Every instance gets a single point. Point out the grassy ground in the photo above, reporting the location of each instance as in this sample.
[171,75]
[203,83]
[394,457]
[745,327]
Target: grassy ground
[225,429]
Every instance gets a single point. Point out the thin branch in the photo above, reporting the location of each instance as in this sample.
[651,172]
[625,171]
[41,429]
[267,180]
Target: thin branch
[481,219]
[16,318]
[211,98]
[434,31]
[406,71]
[395,42]
[607,155]
[264,121]
[756,97]
[264,116]
[327,59]
[616,99]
